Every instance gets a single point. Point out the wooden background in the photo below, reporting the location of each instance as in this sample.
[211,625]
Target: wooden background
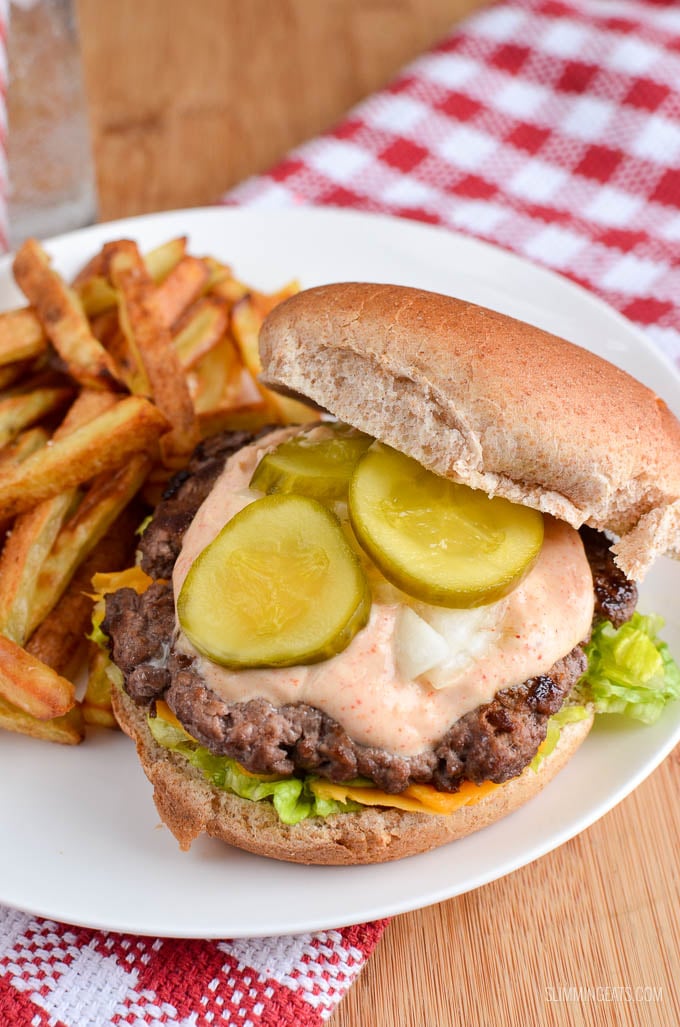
[186,99]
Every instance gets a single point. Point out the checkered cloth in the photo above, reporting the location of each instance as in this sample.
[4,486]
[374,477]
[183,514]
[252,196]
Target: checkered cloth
[549,127]
[553,129]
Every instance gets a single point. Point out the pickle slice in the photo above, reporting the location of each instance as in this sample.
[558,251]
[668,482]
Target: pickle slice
[441,542]
[317,464]
[278,586]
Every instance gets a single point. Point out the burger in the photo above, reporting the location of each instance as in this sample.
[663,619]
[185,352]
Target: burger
[361,638]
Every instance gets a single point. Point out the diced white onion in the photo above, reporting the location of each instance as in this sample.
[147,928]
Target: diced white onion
[418,647]
[467,633]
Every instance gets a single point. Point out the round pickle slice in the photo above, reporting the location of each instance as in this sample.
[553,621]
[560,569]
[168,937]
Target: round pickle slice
[278,586]
[443,543]
[318,464]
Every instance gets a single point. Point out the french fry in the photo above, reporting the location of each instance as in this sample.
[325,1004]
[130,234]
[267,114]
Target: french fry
[21,336]
[220,274]
[246,322]
[23,445]
[218,377]
[24,408]
[68,729]
[200,329]
[161,260]
[264,302]
[59,639]
[101,505]
[89,403]
[22,558]
[97,707]
[96,295]
[250,417]
[182,287]
[35,532]
[63,318]
[131,426]
[122,341]
[31,685]
[161,363]
[223,285]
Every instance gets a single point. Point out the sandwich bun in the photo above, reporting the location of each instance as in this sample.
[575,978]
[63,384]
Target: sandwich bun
[489,401]
[479,398]
[190,806]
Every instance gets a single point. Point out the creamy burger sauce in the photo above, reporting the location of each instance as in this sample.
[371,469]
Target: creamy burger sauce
[543,619]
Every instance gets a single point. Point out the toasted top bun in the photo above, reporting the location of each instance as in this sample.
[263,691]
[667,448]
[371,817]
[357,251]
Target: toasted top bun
[189,805]
[487,400]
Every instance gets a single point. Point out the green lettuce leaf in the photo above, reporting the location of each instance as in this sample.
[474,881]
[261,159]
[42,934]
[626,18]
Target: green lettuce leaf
[98,636]
[569,714]
[292,797]
[630,670]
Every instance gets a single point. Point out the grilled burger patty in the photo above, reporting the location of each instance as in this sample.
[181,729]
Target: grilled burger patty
[493,742]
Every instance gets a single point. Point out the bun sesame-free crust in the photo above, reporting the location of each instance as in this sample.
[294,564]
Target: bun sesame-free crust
[482,398]
[189,806]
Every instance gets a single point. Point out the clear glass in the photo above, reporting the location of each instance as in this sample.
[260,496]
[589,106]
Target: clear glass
[51,172]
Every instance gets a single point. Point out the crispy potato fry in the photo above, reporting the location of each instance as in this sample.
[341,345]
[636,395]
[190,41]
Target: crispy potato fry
[101,505]
[200,329]
[23,445]
[24,552]
[246,322]
[131,426]
[97,707]
[59,638]
[105,327]
[68,729]
[229,418]
[161,363]
[89,403]
[96,295]
[222,284]
[31,685]
[21,335]
[265,302]
[180,289]
[63,318]
[35,532]
[217,378]
[20,410]
[122,346]
[161,260]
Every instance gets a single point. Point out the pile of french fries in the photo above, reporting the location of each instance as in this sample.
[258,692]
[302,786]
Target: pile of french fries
[106,386]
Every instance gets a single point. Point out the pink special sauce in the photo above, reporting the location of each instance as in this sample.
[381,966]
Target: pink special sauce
[545,616]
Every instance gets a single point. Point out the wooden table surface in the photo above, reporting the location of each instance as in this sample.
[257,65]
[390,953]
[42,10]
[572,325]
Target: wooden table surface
[186,100]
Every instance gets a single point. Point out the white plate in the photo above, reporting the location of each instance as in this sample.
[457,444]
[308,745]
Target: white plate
[81,840]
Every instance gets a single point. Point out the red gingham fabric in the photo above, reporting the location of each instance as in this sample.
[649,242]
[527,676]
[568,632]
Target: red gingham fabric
[548,127]
[52,975]
[552,128]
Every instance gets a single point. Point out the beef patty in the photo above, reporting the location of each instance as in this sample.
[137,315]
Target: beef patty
[493,742]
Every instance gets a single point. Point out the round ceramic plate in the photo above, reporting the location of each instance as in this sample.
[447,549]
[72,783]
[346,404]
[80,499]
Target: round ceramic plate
[81,837]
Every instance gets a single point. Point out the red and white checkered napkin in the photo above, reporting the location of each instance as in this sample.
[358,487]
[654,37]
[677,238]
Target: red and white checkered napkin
[57,976]
[549,127]
[553,129]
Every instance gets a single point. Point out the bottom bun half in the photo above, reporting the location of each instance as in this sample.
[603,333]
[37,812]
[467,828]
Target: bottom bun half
[190,806]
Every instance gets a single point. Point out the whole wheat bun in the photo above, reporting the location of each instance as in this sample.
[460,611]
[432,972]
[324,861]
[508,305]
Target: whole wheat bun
[189,806]
[485,399]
